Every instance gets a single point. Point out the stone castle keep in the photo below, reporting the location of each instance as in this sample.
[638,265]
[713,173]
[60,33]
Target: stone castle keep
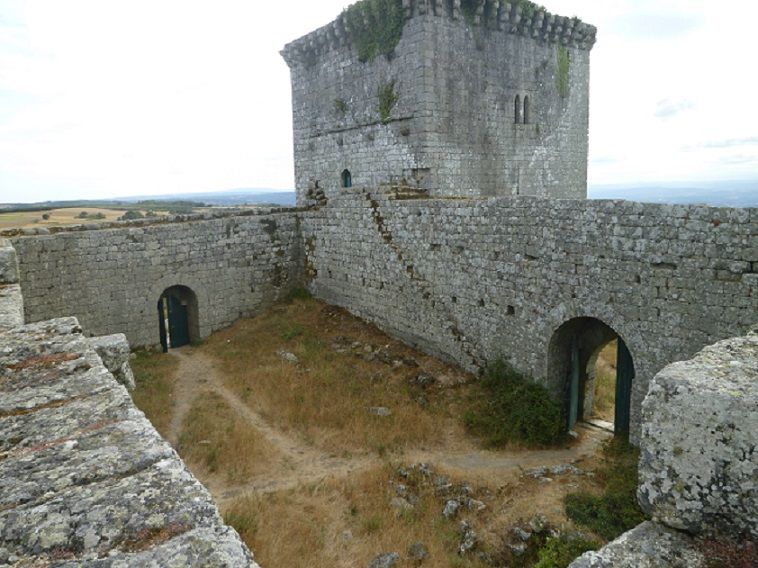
[441,187]
[498,107]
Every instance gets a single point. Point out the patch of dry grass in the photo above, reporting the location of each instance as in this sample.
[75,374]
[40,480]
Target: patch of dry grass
[216,441]
[605,384]
[347,523]
[326,397]
[155,375]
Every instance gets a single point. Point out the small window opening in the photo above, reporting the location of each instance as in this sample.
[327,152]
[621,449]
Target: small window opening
[347,179]
[517,110]
[526,110]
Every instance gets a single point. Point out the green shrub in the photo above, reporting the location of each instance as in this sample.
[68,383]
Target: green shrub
[297,294]
[560,551]
[513,408]
[387,100]
[340,106]
[616,510]
[375,27]
[131,214]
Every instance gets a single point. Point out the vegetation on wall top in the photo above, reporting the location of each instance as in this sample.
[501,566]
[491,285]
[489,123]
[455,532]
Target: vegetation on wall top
[375,27]
[562,71]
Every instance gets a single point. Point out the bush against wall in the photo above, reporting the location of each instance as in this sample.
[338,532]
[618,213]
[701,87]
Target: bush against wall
[512,408]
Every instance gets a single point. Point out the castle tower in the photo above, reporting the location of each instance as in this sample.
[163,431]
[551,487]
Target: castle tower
[452,97]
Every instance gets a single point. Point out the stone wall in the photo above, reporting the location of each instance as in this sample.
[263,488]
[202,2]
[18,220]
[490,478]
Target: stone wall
[454,128]
[472,280]
[698,461]
[111,279]
[85,480]
[11,301]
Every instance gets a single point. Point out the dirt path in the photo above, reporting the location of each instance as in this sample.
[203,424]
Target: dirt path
[300,464]
[304,464]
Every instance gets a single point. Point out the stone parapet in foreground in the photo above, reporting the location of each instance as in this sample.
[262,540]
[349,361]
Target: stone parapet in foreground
[698,463]
[85,480]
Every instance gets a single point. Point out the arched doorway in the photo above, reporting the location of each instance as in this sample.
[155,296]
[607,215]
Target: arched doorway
[177,317]
[572,361]
[347,179]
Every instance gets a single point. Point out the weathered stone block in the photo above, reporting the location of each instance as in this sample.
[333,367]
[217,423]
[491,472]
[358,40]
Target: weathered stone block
[649,545]
[11,306]
[8,264]
[699,466]
[114,351]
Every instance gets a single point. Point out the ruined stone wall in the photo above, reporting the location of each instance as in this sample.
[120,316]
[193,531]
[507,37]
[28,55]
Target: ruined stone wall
[85,480]
[11,301]
[472,280]
[453,131]
[112,279]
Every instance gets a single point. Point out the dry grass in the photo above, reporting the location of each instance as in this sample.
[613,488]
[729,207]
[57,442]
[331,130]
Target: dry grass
[65,216]
[155,374]
[326,397]
[216,441]
[605,391]
[347,523]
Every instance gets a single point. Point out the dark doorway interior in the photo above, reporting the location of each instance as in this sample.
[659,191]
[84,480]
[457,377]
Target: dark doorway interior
[177,317]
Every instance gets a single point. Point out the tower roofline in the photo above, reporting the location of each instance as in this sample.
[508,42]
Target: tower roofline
[517,17]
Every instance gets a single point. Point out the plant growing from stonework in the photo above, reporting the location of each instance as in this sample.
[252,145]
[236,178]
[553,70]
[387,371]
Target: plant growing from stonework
[375,27]
[562,71]
[340,106]
[387,100]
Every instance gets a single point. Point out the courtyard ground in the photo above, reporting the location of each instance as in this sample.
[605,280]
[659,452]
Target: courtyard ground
[326,443]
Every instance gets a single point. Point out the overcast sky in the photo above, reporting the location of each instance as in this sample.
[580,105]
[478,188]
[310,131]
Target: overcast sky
[103,98]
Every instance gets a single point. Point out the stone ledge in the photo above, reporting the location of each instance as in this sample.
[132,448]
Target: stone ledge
[649,545]
[85,480]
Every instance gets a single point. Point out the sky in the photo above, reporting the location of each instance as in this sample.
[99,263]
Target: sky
[107,98]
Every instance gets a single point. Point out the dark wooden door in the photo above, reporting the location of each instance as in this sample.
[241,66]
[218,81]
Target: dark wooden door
[178,322]
[573,410]
[624,377]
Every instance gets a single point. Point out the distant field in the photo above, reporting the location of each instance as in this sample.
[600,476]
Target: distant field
[58,217]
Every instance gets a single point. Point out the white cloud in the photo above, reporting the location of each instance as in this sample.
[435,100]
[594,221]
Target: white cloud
[105,98]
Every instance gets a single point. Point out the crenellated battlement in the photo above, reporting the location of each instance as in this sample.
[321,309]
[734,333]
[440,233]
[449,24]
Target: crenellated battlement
[518,17]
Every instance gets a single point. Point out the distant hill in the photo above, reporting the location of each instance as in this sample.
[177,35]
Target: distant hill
[720,193]
[240,196]
[174,201]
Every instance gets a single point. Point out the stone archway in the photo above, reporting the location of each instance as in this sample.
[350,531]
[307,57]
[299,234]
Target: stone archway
[572,354]
[178,318]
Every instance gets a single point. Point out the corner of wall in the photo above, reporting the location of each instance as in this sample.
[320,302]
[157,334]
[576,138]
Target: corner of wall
[11,300]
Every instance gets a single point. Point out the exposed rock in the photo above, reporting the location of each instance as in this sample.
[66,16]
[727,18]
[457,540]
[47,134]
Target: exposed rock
[468,538]
[423,380]
[538,524]
[451,508]
[386,560]
[649,545]
[698,465]
[475,505]
[418,552]
[521,534]
[518,549]
[380,411]
[288,356]
[400,505]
